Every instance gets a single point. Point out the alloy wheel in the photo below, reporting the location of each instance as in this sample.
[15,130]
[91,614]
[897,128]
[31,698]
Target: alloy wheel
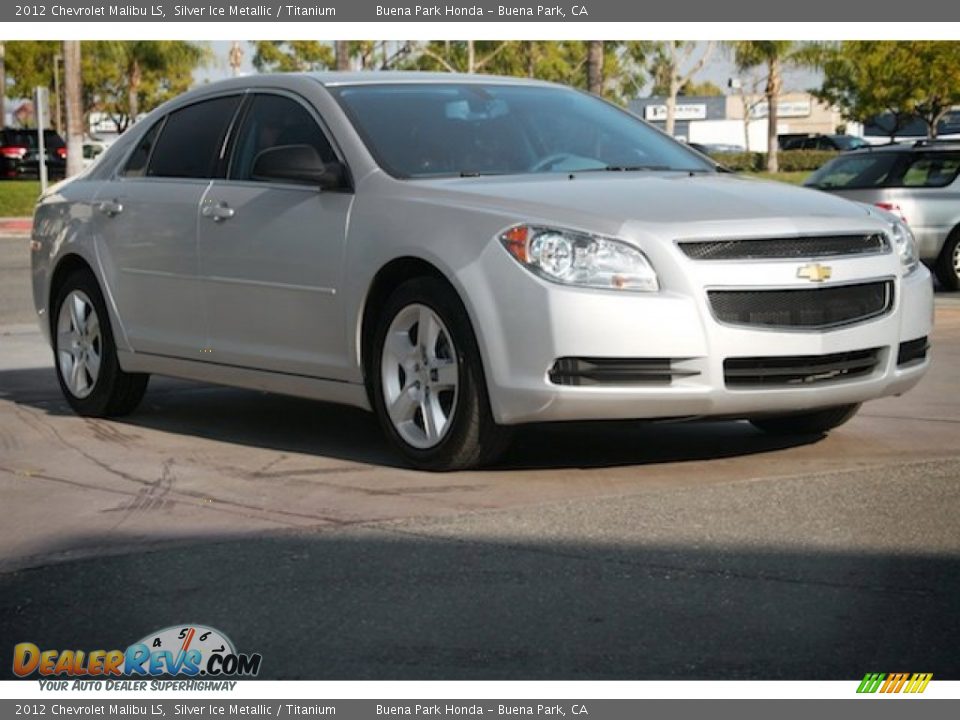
[420,376]
[79,343]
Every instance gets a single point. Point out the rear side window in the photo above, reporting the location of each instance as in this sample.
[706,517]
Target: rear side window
[137,164]
[273,121]
[192,138]
[932,170]
[888,169]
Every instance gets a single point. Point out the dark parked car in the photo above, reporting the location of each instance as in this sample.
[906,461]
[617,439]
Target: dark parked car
[20,153]
[822,142]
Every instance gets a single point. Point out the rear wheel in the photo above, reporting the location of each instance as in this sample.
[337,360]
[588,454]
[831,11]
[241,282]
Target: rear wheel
[427,382]
[85,354]
[806,423]
[948,264]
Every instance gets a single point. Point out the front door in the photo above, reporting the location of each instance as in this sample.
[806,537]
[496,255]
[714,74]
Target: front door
[271,253]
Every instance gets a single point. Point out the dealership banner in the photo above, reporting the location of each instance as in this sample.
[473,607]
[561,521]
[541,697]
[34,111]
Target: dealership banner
[151,709]
[98,11]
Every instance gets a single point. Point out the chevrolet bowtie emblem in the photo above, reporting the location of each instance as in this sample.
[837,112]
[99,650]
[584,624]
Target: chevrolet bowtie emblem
[815,272]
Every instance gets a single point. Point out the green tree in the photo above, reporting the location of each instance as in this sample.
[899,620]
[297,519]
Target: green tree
[703,89]
[125,78]
[556,61]
[899,80]
[30,64]
[292,55]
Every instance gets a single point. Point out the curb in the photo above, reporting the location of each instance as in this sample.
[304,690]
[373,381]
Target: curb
[16,225]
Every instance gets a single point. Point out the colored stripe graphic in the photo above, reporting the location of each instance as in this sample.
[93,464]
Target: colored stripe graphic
[871,682]
[894,682]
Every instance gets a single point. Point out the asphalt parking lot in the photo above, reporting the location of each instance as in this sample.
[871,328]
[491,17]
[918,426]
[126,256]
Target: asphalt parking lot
[620,550]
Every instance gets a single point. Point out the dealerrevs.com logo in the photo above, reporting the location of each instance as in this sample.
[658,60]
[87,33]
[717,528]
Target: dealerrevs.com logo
[181,650]
[894,683]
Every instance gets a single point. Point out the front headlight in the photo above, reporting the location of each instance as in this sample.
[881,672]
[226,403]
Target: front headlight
[906,245]
[574,258]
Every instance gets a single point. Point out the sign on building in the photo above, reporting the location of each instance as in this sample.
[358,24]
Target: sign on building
[785,109]
[686,111]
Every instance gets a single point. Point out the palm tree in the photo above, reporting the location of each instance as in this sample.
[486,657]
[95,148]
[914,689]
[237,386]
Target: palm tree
[595,67]
[74,93]
[774,54]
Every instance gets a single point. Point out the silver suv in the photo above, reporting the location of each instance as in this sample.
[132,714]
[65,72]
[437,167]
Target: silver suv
[918,182]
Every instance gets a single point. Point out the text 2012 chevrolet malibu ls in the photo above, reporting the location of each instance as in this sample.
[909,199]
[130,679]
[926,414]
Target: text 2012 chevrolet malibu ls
[463,254]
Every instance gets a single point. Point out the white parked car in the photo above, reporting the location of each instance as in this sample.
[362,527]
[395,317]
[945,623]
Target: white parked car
[463,255]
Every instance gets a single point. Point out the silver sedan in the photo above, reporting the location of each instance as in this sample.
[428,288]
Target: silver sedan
[462,255]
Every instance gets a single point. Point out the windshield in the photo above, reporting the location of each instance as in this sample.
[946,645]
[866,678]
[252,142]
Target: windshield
[848,142]
[888,169]
[430,130]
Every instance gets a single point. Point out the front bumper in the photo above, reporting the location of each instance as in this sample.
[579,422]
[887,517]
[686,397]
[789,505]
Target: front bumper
[525,324]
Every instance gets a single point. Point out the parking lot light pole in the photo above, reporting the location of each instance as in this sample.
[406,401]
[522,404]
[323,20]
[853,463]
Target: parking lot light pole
[40,100]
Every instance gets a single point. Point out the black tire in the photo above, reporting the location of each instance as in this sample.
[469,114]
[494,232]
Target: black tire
[115,392]
[946,266]
[815,422]
[473,438]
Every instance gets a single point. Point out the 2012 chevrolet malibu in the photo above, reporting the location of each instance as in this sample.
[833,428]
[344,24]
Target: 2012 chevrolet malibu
[463,255]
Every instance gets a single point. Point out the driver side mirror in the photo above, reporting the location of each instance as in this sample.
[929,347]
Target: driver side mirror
[298,164]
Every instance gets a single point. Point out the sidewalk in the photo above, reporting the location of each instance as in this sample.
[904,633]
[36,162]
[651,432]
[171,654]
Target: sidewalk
[15,226]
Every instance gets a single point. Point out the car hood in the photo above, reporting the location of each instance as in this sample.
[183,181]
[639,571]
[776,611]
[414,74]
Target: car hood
[608,201]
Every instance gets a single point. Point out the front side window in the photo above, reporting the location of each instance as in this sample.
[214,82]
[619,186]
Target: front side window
[421,130]
[192,139]
[274,121]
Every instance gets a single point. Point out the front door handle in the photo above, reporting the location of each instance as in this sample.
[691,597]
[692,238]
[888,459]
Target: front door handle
[110,207]
[218,212]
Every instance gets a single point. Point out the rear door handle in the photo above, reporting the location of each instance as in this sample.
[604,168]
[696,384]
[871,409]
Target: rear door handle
[110,207]
[219,212]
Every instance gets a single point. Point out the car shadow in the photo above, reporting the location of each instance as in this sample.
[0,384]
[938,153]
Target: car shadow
[277,422]
[372,603]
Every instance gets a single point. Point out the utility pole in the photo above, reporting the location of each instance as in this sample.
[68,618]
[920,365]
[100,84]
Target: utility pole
[73,86]
[3,84]
[58,119]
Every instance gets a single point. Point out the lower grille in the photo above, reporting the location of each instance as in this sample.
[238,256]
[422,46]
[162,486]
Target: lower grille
[616,371]
[806,309]
[913,351]
[799,369]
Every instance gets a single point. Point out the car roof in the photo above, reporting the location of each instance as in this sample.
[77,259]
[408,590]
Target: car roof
[413,76]
[908,147]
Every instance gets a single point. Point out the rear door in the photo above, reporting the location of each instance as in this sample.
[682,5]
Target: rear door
[147,222]
[271,253]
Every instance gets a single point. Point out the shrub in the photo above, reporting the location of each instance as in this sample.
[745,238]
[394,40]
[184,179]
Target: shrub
[789,160]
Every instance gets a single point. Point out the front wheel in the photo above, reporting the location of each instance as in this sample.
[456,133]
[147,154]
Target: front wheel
[427,382]
[948,264]
[86,356]
[806,423]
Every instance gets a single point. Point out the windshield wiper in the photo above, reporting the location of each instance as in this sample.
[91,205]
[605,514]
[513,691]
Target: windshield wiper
[635,168]
[478,173]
